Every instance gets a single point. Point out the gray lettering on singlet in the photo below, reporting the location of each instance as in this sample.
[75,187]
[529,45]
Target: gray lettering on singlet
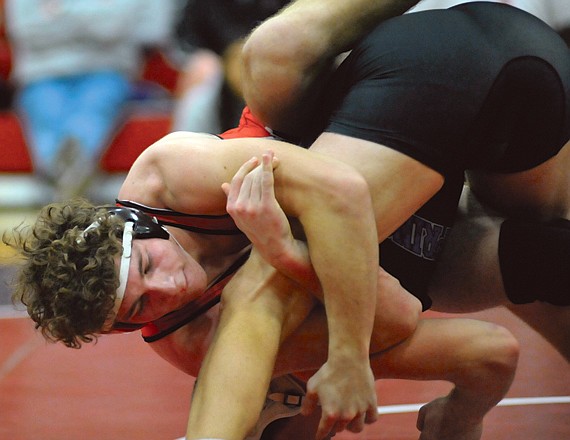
[420,237]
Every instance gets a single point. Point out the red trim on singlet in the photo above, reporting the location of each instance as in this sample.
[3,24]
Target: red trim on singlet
[249,126]
[208,224]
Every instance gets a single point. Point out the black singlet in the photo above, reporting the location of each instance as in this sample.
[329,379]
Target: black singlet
[478,86]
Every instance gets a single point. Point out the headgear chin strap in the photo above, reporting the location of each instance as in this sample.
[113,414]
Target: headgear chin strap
[137,225]
[128,233]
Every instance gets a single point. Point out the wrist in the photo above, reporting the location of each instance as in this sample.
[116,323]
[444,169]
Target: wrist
[348,353]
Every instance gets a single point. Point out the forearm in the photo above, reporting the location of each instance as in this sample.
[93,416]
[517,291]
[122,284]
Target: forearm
[334,206]
[259,309]
[335,210]
[234,378]
[344,252]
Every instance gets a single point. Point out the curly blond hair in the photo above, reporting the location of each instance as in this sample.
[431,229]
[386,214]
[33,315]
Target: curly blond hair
[68,280]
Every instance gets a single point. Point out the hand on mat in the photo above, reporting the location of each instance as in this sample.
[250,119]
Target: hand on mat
[345,390]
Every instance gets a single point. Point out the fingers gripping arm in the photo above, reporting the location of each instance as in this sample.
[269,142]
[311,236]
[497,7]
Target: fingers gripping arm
[336,213]
[253,206]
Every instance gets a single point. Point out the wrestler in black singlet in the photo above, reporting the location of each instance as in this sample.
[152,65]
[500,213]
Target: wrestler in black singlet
[478,86]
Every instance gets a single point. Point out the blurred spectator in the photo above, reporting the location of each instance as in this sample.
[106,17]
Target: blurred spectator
[6,89]
[73,66]
[560,17]
[210,33]
[555,13]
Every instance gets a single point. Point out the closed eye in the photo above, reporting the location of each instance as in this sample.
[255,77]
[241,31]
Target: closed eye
[137,309]
[140,306]
[148,264]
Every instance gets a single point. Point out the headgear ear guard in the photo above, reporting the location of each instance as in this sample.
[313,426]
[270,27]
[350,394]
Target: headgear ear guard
[137,225]
[144,226]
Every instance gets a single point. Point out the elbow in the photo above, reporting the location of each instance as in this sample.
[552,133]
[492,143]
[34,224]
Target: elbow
[348,192]
[262,66]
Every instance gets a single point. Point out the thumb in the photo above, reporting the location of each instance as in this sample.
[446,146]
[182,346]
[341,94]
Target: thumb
[226,188]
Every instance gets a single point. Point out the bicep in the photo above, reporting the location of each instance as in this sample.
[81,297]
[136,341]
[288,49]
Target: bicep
[182,171]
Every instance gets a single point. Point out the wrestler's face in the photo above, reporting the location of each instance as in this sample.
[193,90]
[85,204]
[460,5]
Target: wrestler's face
[162,278]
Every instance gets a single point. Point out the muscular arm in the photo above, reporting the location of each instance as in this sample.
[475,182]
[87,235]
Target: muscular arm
[479,358]
[285,56]
[260,308]
[395,310]
[329,198]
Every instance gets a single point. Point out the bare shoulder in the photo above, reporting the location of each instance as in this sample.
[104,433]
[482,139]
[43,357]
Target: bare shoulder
[143,182]
[162,175]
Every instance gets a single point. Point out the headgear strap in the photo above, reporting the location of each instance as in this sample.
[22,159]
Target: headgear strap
[123,273]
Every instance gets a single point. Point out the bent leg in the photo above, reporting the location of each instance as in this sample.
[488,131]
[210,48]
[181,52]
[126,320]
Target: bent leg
[468,277]
[396,318]
[479,358]
[541,193]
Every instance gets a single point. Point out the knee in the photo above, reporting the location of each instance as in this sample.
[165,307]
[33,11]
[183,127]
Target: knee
[285,41]
[498,353]
[278,61]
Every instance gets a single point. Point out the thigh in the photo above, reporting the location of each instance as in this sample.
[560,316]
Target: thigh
[467,276]
[541,192]
[444,349]
[552,322]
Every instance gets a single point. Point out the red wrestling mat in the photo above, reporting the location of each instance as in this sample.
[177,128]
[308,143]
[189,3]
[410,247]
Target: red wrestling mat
[119,389]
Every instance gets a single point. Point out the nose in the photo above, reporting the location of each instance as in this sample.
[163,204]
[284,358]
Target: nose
[161,284]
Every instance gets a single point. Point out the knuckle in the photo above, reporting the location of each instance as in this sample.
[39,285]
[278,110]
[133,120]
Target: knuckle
[331,417]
